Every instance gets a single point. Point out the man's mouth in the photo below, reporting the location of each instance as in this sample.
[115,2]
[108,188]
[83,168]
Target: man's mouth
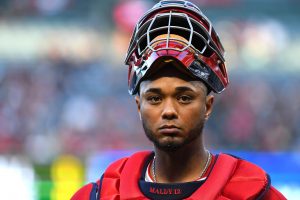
[169,130]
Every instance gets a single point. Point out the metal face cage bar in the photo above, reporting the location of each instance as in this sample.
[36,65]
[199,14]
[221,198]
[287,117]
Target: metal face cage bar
[195,35]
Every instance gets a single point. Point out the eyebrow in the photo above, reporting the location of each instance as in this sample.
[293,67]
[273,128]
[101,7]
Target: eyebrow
[154,90]
[184,89]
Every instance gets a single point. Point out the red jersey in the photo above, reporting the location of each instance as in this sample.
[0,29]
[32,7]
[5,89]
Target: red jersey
[228,178]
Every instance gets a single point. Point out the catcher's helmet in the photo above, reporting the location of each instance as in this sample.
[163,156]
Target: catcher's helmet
[177,29]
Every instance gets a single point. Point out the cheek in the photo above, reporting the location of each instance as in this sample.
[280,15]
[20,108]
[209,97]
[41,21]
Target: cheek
[149,114]
[193,115]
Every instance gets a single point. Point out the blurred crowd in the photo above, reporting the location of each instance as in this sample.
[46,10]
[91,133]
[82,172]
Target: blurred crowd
[55,108]
[68,94]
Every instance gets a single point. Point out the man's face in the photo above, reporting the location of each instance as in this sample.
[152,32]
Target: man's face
[173,108]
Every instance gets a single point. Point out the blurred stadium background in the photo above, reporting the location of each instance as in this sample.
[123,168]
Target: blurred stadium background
[64,107]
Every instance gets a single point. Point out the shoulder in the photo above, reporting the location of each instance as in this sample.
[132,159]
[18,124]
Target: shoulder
[111,175]
[250,180]
[117,167]
[90,189]
[250,171]
[243,170]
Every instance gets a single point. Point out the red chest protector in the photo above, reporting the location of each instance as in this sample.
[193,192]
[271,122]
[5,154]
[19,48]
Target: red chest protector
[230,178]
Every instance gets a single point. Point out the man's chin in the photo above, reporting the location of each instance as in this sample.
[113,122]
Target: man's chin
[168,147]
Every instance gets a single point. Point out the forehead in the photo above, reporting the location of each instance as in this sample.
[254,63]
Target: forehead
[171,77]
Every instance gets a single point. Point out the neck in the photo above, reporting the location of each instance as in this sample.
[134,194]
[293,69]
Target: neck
[183,165]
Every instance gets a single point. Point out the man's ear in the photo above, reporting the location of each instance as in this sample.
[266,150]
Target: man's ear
[209,105]
[138,103]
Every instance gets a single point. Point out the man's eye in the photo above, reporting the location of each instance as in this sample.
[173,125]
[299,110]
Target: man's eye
[154,99]
[184,99]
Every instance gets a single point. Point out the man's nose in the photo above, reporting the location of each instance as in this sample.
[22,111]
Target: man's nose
[169,110]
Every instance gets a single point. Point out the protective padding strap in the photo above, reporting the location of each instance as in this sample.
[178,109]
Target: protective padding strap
[111,181]
[222,171]
[129,188]
[120,180]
